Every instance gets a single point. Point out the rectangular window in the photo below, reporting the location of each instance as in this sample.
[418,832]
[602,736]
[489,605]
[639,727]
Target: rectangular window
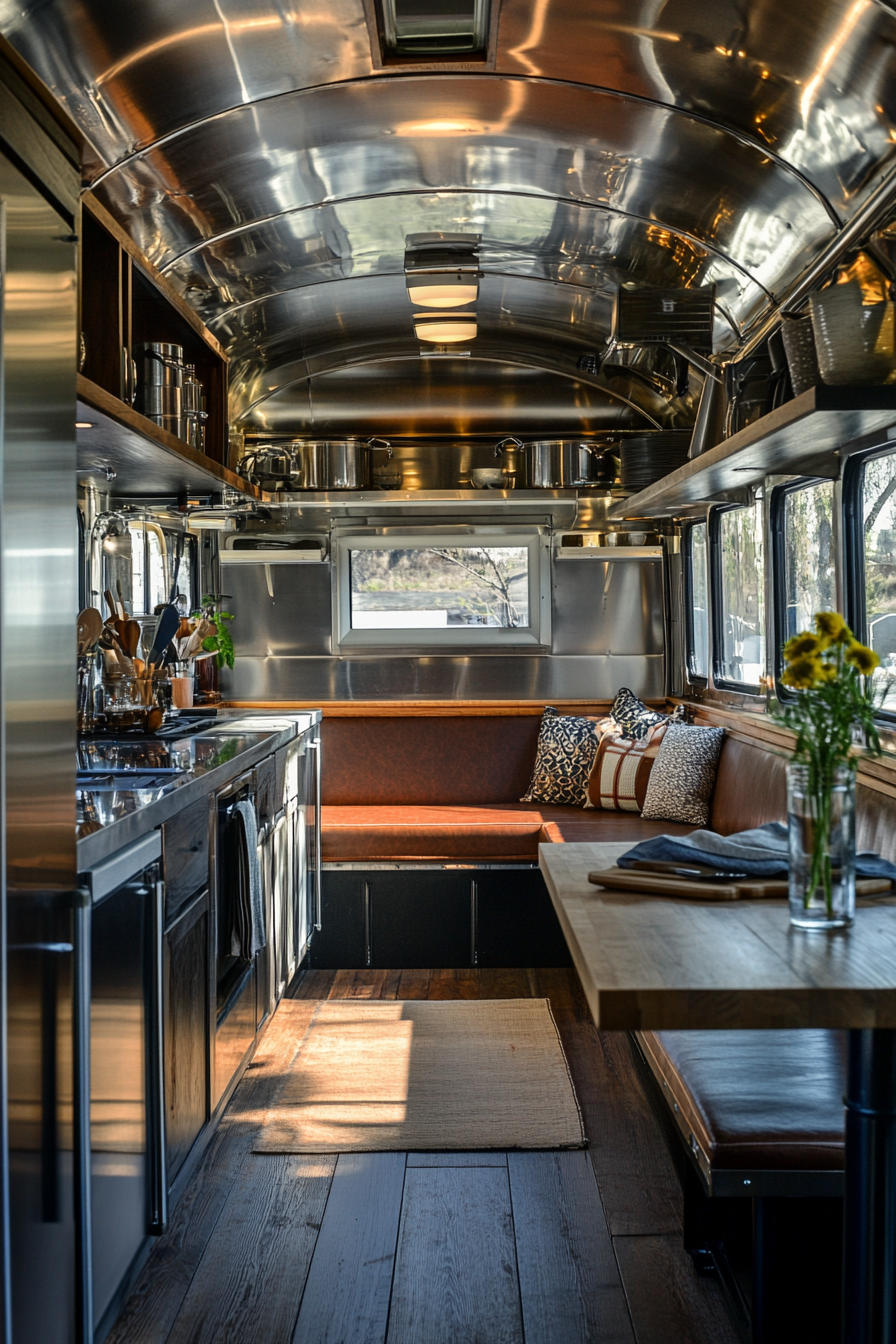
[698,602]
[444,589]
[739,579]
[877,495]
[808,570]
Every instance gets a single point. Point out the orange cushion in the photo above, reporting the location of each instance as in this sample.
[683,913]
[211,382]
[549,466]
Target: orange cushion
[507,832]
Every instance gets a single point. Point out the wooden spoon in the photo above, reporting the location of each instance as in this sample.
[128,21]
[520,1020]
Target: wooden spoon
[122,610]
[130,636]
[90,627]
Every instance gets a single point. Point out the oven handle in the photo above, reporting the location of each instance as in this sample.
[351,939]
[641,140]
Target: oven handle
[158,1189]
[318,876]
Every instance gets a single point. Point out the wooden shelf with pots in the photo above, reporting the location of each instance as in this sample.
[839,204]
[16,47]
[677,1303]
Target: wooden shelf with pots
[802,437]
[146,460]
[124,302]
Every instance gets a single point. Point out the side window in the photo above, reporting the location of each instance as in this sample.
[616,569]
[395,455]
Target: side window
[738,575]
[697,601]
[877,576]
[807,571]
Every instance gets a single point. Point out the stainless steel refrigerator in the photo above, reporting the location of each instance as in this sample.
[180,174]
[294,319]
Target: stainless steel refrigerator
[38,596]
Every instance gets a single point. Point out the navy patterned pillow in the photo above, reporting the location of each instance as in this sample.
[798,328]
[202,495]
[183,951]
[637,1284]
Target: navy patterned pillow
[567,746]
[634,717]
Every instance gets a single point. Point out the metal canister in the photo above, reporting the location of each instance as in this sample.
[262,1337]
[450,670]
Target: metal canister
[195,415]
[160,385]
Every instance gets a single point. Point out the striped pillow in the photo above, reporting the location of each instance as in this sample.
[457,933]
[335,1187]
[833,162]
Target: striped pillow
[622,769]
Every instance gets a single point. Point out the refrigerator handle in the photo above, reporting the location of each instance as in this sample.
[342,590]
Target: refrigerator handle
[318,876]
[158,1160]
[81,1115]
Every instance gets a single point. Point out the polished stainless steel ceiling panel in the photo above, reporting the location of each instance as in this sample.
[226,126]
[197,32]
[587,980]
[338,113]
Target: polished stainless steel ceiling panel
[469,132]
[416,397]
[313,330]
[814,82]
[129,73]
[255,150]
[521,235]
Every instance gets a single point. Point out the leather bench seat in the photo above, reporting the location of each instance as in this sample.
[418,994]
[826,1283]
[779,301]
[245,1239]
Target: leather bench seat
[756,1100]
[500,831]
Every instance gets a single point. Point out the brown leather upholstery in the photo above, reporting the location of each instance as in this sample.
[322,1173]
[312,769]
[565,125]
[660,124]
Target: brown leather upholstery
[766,1100]
[750,789]
[428,761]
[508,831]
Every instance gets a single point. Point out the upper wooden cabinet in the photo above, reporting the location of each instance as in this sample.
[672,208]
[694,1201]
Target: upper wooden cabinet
[124,302]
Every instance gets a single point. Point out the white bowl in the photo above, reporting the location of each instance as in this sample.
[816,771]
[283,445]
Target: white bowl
[485,477]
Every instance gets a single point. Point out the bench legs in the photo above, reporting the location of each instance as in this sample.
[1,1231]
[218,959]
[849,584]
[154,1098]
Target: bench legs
[869,1244]
[777,1258]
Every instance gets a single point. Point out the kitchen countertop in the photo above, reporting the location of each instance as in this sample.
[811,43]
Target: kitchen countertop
[236,742]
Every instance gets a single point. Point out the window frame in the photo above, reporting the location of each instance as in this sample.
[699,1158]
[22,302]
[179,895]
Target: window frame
[854,598]
[714,542]
[535,637]
[777,504]
[695,678]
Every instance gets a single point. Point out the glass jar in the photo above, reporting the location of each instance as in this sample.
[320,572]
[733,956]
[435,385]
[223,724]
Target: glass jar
[822,848]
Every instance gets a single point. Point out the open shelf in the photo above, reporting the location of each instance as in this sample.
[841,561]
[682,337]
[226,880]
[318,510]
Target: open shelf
[799,438]
[147,460]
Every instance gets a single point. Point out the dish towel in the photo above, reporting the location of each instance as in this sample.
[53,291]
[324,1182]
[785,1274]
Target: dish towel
[246,811]
[761,852]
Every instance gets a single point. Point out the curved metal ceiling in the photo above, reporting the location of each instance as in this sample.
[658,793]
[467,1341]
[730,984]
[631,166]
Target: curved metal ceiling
[260,155]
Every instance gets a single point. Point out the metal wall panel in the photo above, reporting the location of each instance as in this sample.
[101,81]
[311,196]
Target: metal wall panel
[38,536]
[610,607]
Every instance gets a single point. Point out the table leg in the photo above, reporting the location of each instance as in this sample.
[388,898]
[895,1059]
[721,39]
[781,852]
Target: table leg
[869,1245]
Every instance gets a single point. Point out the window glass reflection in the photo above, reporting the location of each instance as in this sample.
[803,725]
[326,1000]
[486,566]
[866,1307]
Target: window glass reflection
[741,636]
[698,654]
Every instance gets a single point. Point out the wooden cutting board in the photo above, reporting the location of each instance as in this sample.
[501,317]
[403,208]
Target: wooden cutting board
[690,889]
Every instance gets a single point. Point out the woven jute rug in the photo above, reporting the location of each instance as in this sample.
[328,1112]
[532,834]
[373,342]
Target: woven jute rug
[393,1076]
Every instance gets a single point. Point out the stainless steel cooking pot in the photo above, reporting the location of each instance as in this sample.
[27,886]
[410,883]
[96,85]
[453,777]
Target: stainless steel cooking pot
[334,464]
[557,464]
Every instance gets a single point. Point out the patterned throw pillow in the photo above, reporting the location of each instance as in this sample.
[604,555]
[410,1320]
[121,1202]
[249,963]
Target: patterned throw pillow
[634,717]
[622,770]
[566,749]
[683,775]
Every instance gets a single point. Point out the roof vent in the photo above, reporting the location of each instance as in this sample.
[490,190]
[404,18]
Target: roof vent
[427,30]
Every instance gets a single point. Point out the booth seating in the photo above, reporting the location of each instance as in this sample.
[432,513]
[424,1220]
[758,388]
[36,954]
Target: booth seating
[448,789]
[759,1114]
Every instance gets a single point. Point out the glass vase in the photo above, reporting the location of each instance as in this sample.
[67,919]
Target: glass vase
[822,847]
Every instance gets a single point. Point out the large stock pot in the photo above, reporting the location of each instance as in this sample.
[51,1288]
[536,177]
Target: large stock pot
[557,464]
[334,464]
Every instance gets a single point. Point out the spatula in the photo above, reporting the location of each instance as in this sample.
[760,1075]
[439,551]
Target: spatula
[169,620]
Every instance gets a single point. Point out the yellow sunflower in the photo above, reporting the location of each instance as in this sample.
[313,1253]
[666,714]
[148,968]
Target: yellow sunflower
[831,625]
[805,672]
[863,659]
[803,645]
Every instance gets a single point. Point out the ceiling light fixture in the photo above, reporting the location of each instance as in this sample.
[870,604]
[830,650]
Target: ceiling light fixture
[442,271]
[445,328]
[439,289]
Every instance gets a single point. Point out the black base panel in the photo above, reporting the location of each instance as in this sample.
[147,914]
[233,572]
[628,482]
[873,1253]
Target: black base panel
[402,918]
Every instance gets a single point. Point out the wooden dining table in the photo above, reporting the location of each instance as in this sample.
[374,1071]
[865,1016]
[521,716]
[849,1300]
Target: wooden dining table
[654,962]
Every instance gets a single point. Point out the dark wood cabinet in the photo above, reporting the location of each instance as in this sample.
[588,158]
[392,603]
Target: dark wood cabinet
[123,302]
[185,838]
[186,1031]
[393,918]
[421,917]
[516,922]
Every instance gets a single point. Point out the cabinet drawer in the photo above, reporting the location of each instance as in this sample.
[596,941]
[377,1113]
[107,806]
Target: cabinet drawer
[186,856]
[186,1033]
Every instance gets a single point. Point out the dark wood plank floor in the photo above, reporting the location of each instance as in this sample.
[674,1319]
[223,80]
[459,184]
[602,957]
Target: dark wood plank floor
[420,1248]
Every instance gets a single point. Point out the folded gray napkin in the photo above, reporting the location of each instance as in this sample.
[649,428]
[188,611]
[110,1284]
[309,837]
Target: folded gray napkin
[761,852]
